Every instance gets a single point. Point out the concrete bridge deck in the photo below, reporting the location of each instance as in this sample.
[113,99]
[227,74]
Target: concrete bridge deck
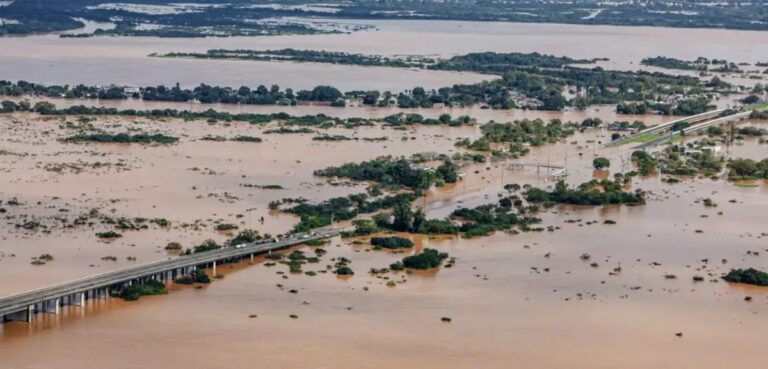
[696,128]
[667,125]
[23,306]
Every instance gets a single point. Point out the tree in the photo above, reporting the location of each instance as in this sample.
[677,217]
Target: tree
[448,172]
[44,107]
[403,217]
[512,187]
[580,102]
[601,163]
[9,106]
[419,218]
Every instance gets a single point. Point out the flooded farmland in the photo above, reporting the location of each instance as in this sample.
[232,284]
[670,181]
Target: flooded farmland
[595,287]
[509,303]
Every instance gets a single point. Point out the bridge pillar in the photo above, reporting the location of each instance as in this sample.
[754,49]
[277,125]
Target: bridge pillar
[52,306]
[214,268]
[30,313]
[251,258]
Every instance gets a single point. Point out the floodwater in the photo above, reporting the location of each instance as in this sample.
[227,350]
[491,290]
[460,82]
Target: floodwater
[121,60]
[515,300]
[605,112]
[524,300]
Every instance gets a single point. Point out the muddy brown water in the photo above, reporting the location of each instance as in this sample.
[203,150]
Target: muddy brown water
[123,60]
[510,304]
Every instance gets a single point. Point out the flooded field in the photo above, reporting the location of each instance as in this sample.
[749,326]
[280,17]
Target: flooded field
[524,300]
[124,60]
[594,287]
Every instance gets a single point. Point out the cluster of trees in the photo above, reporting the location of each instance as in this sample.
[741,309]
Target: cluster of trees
[313,56]
[260,95]
[426,259]
[747,276]
[404,119]
[404,219]
[500,63]
[390,171]
[342,208]
[197,276]
[673,161]
[600,163]
[235,18]
[135,291]
[486,219]
[699,64]
[519,134]
[663,14]
[123,138]
[752,131]
[392,242]
[741,168]
[594,192]
[240,18]
[646,164]
[540,79]
[683,107]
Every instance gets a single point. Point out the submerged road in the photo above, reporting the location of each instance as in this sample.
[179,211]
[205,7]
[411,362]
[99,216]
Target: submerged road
[23,306]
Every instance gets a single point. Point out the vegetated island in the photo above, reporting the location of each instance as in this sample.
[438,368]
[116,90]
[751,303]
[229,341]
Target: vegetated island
[530,81]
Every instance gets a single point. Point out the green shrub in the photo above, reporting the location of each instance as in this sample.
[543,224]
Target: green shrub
[135,291]
[427,259]
[392,242]
[747,276]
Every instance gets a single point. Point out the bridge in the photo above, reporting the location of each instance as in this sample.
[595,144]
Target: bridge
[666,126]
[24,306]
[696,128]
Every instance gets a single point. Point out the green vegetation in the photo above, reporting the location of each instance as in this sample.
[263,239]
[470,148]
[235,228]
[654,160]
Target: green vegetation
[246,236]
[123,138]
[197,276]
[691,160]
[225,227]
[747,276]
[685,107]
[601,163]
[313,56]
[392,172]
[246,139]
[531,81]
[341,208]
[427,259]
[741,169]
[286,130]
[486,219]
[344,270]
[594,192]
[392,242]
[751,131]
[108,235]
[518,135]
[241,18]
[135,291]
[646,164]
[363,227]
[699,64]
[235,18]
[317,242]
